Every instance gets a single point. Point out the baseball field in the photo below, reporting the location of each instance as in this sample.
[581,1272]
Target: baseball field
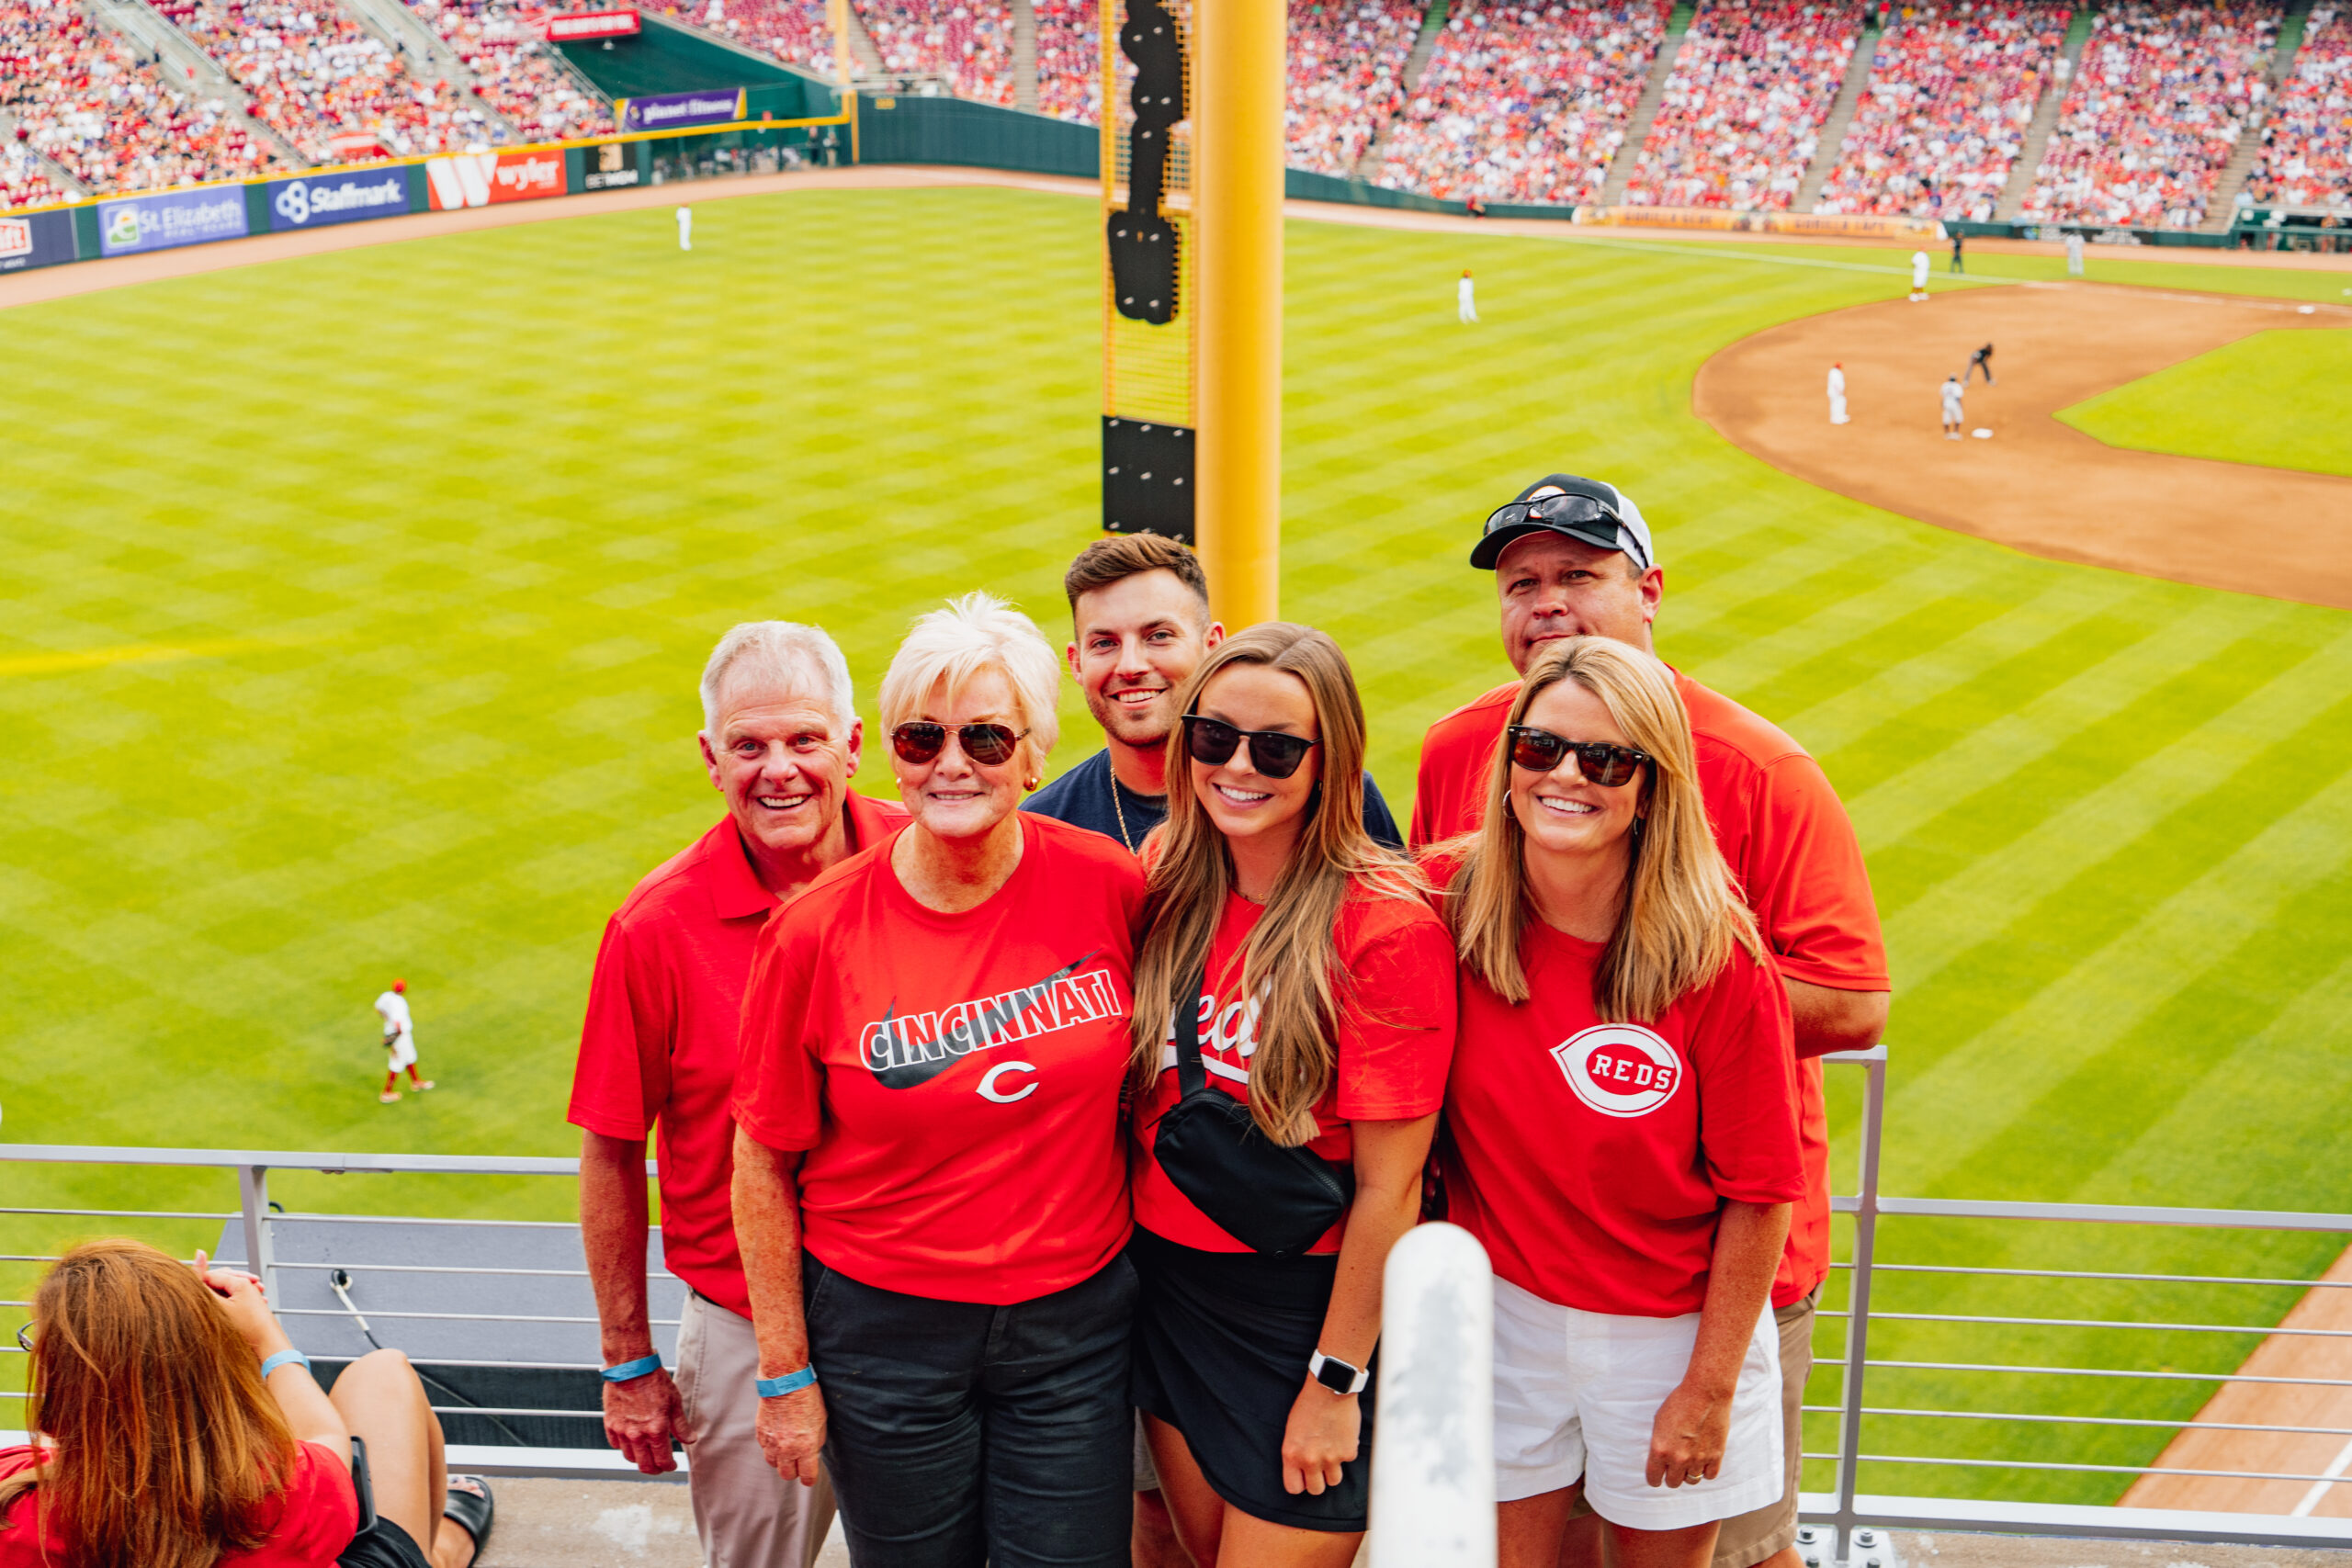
[351,607]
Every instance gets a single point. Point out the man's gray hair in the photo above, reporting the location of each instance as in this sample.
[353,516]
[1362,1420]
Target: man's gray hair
[782,656]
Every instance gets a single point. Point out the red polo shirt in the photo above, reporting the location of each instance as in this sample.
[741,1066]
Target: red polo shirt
[657,1052]
[1788,840]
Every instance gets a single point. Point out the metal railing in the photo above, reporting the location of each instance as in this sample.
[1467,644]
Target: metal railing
[1855,1366]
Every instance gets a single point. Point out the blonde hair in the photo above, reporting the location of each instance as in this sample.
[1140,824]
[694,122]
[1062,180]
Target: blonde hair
[782,656]
[975,634]
[1681,914]
[1292,957]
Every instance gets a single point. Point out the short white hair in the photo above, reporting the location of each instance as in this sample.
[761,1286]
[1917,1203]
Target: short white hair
[779,656]
[975,634]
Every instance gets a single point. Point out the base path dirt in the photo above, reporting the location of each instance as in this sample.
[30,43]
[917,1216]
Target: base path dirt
[2038,484]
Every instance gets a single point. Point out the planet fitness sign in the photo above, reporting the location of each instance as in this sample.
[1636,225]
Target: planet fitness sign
[671,111]
[162,220]
[337,198]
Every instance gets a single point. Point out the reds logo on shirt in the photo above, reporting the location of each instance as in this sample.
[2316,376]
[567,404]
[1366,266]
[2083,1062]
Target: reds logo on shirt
[1620,1069]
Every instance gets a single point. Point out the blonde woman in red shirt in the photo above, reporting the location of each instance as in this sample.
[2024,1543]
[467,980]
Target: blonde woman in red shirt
[1621,1123]
[1293,1020]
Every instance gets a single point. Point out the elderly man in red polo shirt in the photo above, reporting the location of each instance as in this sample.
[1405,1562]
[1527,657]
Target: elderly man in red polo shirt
[1572,557]
[657,1054]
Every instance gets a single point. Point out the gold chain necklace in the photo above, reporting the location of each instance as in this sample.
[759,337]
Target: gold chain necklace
[1117,809]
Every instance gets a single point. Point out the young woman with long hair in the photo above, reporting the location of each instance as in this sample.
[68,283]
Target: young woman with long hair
[1321,988]
[1620,1123]
[177,1428]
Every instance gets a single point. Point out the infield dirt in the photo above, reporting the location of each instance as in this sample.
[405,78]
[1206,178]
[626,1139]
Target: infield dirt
[2038,484]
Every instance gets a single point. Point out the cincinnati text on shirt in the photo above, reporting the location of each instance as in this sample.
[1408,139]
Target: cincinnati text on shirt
[903,1052]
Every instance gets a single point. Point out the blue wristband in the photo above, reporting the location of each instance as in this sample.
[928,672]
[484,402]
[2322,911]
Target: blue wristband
[791,1382]
[284,1358]
[637,1369]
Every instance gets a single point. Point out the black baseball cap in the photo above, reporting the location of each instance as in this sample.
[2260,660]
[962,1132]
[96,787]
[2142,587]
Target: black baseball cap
[1611,521]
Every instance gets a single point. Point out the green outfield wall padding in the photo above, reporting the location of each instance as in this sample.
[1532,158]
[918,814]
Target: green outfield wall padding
[257,209]
[663,59]
[1301,185]
[904,129]
[85,232]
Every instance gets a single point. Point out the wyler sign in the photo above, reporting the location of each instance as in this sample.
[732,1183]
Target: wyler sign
[337,198]
[669,111]
[479,179]
[162,220]
[583,25]
[36,239]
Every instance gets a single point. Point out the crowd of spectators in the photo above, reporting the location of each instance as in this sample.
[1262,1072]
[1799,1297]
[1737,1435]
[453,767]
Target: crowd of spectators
[1069,59]
[1525,105]
[2306,158]
[85,99]
[1741,118]
[796,32]
[2162,95]
[326,84]
[1952,94]
[516,69]
[1346,68]
[969,42]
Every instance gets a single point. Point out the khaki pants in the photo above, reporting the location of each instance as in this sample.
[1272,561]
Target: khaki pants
[1751,1538]
[747,1515]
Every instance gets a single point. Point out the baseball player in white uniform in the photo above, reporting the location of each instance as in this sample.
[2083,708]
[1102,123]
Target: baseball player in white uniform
[685,227]
[1838,394]
[1918,275]
[1951,392]
[2073,253]
[400,1042]
[1466,299]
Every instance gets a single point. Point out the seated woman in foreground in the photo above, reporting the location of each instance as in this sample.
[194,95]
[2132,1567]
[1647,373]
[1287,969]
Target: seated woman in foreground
[177,1428]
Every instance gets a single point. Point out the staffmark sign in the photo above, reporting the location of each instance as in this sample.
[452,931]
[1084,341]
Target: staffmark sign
[337,198]
[480,179]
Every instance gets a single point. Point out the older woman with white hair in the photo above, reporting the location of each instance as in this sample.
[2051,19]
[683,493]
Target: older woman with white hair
[930,1189]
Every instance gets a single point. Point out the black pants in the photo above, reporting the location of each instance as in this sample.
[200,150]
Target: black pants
[960,1434]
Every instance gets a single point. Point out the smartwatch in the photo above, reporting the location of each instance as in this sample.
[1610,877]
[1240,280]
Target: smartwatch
[1337,1375]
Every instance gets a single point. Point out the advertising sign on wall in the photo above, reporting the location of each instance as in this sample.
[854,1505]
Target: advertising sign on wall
[478,179]
[337,198]
[583,25]
[610,166]
[669,111]
[36,238]
[161,220]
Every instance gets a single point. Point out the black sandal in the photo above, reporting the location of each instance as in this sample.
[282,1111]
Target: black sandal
[471,1505]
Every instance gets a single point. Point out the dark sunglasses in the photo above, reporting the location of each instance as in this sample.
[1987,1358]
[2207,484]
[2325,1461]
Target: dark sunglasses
[987,744]
[1540,750]
[1211,742]
[25,1337]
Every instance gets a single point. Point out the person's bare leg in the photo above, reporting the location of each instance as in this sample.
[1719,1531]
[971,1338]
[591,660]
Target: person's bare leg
[1785,1558]
[1249,1541]
[1690,1547]
[1582,1543]
[384,1404]
[1154,1543]
[1530,1531]
[1194,1509]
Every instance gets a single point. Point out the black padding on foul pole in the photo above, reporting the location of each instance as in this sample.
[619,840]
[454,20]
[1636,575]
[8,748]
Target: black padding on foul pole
[1148,479]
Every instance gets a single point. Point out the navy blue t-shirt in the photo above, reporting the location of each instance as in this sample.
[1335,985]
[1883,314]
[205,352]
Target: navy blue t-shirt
[1081,798]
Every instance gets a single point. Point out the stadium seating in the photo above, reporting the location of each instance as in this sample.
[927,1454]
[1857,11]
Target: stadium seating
[1070,68]
[2306,159]
[83,98]
[795,31]
[1742,114]
[517,71]
[1346,77]
[967,41]
[2155,108]
[327,83]
[1951,93]
[1523,105]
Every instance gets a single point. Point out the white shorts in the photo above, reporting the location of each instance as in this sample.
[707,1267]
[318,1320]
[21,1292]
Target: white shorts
[402,1051]
[1576,1393]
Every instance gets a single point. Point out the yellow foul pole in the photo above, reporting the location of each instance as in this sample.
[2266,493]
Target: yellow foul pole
[844,65]
[1237,196]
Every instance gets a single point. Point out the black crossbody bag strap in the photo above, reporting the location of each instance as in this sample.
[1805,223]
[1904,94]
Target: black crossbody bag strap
[1192,1076]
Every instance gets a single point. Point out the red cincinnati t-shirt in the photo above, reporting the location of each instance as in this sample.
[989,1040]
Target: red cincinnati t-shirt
[1789,843]
[1397,1021]
[309,1521]
[656,1052]
[954,1078]
[1593,1158]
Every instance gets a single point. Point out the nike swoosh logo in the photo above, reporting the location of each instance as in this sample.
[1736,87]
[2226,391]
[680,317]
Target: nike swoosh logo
[905,1074]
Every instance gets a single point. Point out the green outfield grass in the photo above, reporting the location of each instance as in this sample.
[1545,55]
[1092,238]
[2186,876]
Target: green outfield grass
[353,607]
[2275,399]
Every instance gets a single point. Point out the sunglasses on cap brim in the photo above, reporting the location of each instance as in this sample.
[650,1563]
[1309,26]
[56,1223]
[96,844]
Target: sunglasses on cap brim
[1584,516]
[1211,742]
[1540,750]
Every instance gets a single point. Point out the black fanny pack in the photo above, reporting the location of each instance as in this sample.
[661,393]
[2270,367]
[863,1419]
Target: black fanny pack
[1272,1200]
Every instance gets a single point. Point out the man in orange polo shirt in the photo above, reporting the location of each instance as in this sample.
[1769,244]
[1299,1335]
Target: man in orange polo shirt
[1572,557]
[780,740]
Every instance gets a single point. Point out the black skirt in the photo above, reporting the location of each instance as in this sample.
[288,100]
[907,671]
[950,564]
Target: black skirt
[1222,1341]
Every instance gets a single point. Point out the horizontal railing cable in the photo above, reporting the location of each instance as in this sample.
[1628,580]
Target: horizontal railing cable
[2093,1274]
[2111,1372]
[2106,1323]
[2104,1469]
[2088,1420]
[127,1213]
[456,1316]
[653,1274]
